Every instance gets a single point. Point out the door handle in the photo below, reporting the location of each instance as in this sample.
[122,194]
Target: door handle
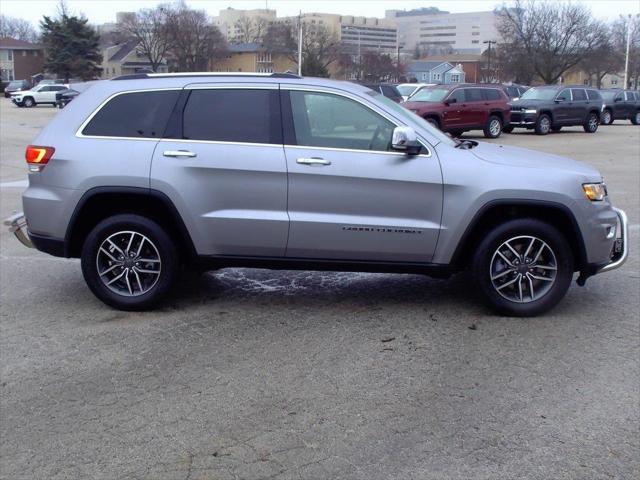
[179,153]
[313,161]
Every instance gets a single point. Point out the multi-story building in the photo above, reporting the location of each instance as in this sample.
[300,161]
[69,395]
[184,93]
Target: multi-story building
[20,60]
[431,32]
[237,25]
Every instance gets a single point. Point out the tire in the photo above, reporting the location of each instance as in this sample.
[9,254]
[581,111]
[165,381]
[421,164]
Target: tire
[556,129]
[492,272]
[607,117]
[493,127]
[507,129]
[140,285]
[433,122]
[543,124]
[591,123]
[635,119]
[29,102]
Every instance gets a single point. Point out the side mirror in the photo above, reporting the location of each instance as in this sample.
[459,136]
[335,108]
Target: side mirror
[450,101]
[560,99]
[405,140]
[617,99]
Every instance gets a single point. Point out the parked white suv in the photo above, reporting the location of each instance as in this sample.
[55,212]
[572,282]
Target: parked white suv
[37,95]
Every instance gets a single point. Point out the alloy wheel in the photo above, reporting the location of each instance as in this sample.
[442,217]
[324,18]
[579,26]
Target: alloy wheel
[606,117]
[545,125]
[128,263]
[523,269]
[593,123]
[494,127]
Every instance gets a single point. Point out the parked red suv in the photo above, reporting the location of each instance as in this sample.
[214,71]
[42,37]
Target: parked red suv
[459,108]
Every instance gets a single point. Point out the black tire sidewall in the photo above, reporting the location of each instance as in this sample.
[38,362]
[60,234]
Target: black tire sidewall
[162,241]
[610,118]
[587,127]
[539,122]
[513,228]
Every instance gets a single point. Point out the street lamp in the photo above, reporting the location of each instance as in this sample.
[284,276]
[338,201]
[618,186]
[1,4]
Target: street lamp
[398,56]
[626,58]
[490,42]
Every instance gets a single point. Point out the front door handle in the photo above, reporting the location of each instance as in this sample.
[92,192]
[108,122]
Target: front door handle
[313,161]
[179,153]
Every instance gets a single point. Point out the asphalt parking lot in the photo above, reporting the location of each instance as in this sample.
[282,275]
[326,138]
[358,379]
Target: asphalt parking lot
[247,374]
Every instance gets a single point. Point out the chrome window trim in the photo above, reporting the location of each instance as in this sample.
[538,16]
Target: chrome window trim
[79,133]
[232,86]
[220,142]
[355,150]
[358,100]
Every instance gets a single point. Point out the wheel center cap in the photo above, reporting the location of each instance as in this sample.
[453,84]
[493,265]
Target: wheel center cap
[129,263]
[523,268]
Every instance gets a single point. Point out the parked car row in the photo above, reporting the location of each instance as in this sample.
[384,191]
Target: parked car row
[497,108]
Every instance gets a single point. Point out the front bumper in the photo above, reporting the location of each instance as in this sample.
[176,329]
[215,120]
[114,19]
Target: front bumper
[521,119]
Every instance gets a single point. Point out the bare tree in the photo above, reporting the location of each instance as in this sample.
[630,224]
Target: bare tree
[194,40]
[604,57]
[619,39]
[149,28]
[554,37]
[250,30]
[17,28]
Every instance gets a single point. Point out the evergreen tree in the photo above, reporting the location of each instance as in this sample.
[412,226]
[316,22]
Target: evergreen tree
[71,47]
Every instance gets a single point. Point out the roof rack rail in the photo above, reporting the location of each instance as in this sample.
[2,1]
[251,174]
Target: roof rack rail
[137,76]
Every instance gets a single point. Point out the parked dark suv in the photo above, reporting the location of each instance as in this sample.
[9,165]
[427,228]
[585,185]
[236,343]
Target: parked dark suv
[620,105]
[459,108]
[549,108]
[386,89]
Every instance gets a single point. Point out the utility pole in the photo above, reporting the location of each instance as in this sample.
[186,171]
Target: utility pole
[398,57]
[490,42]
[300,44]
[626,58]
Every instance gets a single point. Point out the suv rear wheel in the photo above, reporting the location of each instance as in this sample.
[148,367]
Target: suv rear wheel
[523,267]
[129,262]
[493,128]
[635,119]
[591,123]
[543,124]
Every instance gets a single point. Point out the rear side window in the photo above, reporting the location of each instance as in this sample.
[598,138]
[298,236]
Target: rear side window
[493,94]
[228,115]
[474,94]
[594,95]
[389,91]
[631,96]
[578,94]
[136,115]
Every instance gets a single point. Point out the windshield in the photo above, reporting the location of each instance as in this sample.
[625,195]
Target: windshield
[15,84]
[430,95]
[412,118]
[539,94]
[406,90]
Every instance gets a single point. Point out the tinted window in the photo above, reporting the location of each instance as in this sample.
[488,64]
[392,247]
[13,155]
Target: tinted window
[631,96]
[389,91]
[578,94]
[138,114]
[325,120]
[474,94]
[493,94]
[594,95]
[512,92]
[458,95]
[619,96]
[232,116]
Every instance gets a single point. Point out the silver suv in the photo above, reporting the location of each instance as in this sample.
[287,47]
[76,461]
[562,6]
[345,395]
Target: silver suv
[144,174]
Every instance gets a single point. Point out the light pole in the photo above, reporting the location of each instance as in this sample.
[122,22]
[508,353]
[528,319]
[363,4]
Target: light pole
[626,58]
[300,44]
[490,42]
[398,57]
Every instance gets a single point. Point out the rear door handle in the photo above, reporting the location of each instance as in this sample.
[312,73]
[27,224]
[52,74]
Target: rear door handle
[313,161]
[179,153]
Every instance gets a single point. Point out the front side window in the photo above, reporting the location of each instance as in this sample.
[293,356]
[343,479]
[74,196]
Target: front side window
[332,121]
[430,95]
[233,115]
[564,95]
[134,115]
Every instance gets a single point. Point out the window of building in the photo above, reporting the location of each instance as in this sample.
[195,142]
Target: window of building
[436,76]
[475,34]
[332,121]
[614,82]
[228,115]
[455,78]
[24,53]
[475,41]
[136,114]
[35,53]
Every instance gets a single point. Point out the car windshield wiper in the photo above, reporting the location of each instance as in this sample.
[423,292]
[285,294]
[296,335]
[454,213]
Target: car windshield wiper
[466,144]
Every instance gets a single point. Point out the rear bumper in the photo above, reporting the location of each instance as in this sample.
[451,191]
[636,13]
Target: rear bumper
[18,226]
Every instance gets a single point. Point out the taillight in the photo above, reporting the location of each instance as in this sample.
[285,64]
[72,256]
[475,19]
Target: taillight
[37,157]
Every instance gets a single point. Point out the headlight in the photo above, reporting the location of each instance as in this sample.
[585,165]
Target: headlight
[531,110]
[595,191]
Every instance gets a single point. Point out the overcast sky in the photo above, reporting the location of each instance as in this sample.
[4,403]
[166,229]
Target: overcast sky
[101,11]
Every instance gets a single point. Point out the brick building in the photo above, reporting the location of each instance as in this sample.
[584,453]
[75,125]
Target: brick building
[20,60]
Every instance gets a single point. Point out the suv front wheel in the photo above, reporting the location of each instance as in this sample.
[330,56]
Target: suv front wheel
[129,262]
[523,267]
[543,124]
